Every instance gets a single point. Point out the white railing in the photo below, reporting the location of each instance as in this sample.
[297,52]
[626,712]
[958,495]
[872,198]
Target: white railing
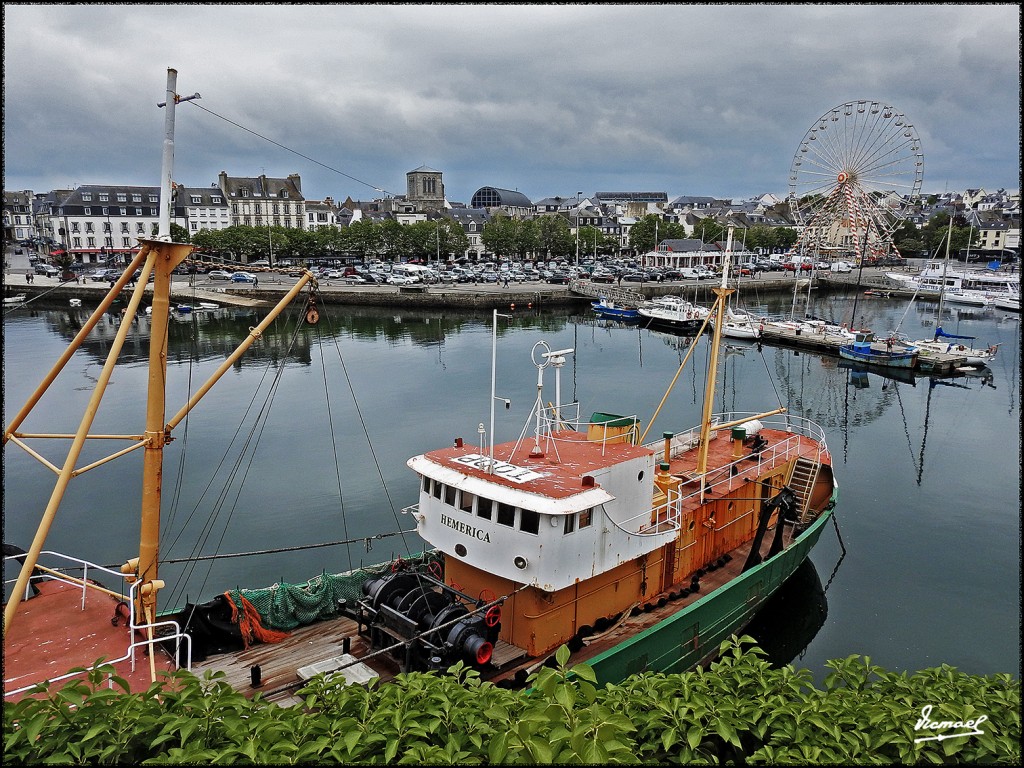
[783,450]
[54,573]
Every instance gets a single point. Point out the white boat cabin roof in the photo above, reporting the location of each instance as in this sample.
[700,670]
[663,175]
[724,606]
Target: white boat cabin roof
[567,472]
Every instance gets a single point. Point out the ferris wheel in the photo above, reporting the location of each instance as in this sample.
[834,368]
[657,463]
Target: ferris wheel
[855,173]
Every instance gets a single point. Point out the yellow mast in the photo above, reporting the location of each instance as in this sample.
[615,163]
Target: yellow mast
[722,292]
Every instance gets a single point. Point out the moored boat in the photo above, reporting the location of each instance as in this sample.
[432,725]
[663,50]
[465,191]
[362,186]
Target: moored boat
[638,555]
[953,344]
[890,353]
[673,313]
[13,301]
[613,310]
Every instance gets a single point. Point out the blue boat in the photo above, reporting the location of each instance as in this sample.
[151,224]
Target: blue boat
[611,310]
[890,353]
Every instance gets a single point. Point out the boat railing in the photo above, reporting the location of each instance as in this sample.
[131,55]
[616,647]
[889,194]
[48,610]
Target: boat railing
[615,429]
[801,429]
[74,563]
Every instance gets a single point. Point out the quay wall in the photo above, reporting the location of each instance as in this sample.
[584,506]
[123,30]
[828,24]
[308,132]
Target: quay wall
[459,296]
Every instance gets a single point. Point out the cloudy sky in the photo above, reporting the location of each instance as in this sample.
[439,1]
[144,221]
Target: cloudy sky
[550,100]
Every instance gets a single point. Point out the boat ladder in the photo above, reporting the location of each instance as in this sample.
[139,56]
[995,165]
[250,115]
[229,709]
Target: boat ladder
[805,473]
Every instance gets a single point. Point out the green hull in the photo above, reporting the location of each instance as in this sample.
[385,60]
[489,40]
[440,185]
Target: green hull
[693,635]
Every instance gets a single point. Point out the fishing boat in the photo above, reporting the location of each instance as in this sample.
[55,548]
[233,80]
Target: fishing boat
[639,555]
[674,314]
[890,353]
[613,310]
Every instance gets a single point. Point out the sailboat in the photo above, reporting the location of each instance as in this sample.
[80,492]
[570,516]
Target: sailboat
[950,343]
[638,555]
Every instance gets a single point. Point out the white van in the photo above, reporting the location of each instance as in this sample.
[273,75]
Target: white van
[412,271]
[689,273]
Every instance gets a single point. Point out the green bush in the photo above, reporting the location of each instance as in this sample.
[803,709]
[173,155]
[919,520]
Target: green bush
[737,710]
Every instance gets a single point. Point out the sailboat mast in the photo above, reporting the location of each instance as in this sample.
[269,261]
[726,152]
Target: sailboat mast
[722,292]
[942,288]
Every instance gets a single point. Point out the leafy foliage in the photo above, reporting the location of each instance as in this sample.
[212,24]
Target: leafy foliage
[737,710]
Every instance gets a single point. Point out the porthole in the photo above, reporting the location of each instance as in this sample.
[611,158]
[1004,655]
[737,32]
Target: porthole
[460,550]
[640,476]
[730,506]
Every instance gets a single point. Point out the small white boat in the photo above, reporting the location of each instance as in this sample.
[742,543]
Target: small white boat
[13,301]
[968,298]
[1009,303]
[740,325]
[75,302]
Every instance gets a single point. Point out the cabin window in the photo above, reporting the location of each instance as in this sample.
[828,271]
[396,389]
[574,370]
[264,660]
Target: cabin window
[570,523]
[449,495]
[483,508]
[529,521]
[586,517]
[426,484]
[437,489]
[466,502]
[506,514]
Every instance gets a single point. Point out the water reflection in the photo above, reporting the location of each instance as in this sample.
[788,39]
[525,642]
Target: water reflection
[790,619]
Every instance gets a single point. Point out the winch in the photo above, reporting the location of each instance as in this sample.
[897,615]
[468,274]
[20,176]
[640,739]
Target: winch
[428,624]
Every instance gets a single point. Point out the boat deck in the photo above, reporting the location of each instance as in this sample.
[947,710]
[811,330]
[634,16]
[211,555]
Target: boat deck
[727,472]
[323,644]
[53,633]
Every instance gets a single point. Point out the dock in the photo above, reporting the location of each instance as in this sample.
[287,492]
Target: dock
[933,363]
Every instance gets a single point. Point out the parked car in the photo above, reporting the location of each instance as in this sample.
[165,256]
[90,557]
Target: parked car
[47,270]
[104,275]
[841,266]
[243,277]
[395,279]
[218,274]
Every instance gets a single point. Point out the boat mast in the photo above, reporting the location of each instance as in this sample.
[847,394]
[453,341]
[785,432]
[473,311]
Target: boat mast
[722,292]
[942,287]
[165,256]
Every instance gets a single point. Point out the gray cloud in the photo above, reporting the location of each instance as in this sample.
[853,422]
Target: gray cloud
[553,99]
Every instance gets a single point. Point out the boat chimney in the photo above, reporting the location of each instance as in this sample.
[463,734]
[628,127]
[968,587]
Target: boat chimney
[738,435]
[668,446]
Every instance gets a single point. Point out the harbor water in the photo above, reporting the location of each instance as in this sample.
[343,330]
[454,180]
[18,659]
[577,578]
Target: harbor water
[305,440]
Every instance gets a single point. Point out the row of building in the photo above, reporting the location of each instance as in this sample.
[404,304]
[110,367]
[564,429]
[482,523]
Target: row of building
[93,222]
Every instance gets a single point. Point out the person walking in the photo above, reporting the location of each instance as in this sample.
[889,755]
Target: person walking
[255,283]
